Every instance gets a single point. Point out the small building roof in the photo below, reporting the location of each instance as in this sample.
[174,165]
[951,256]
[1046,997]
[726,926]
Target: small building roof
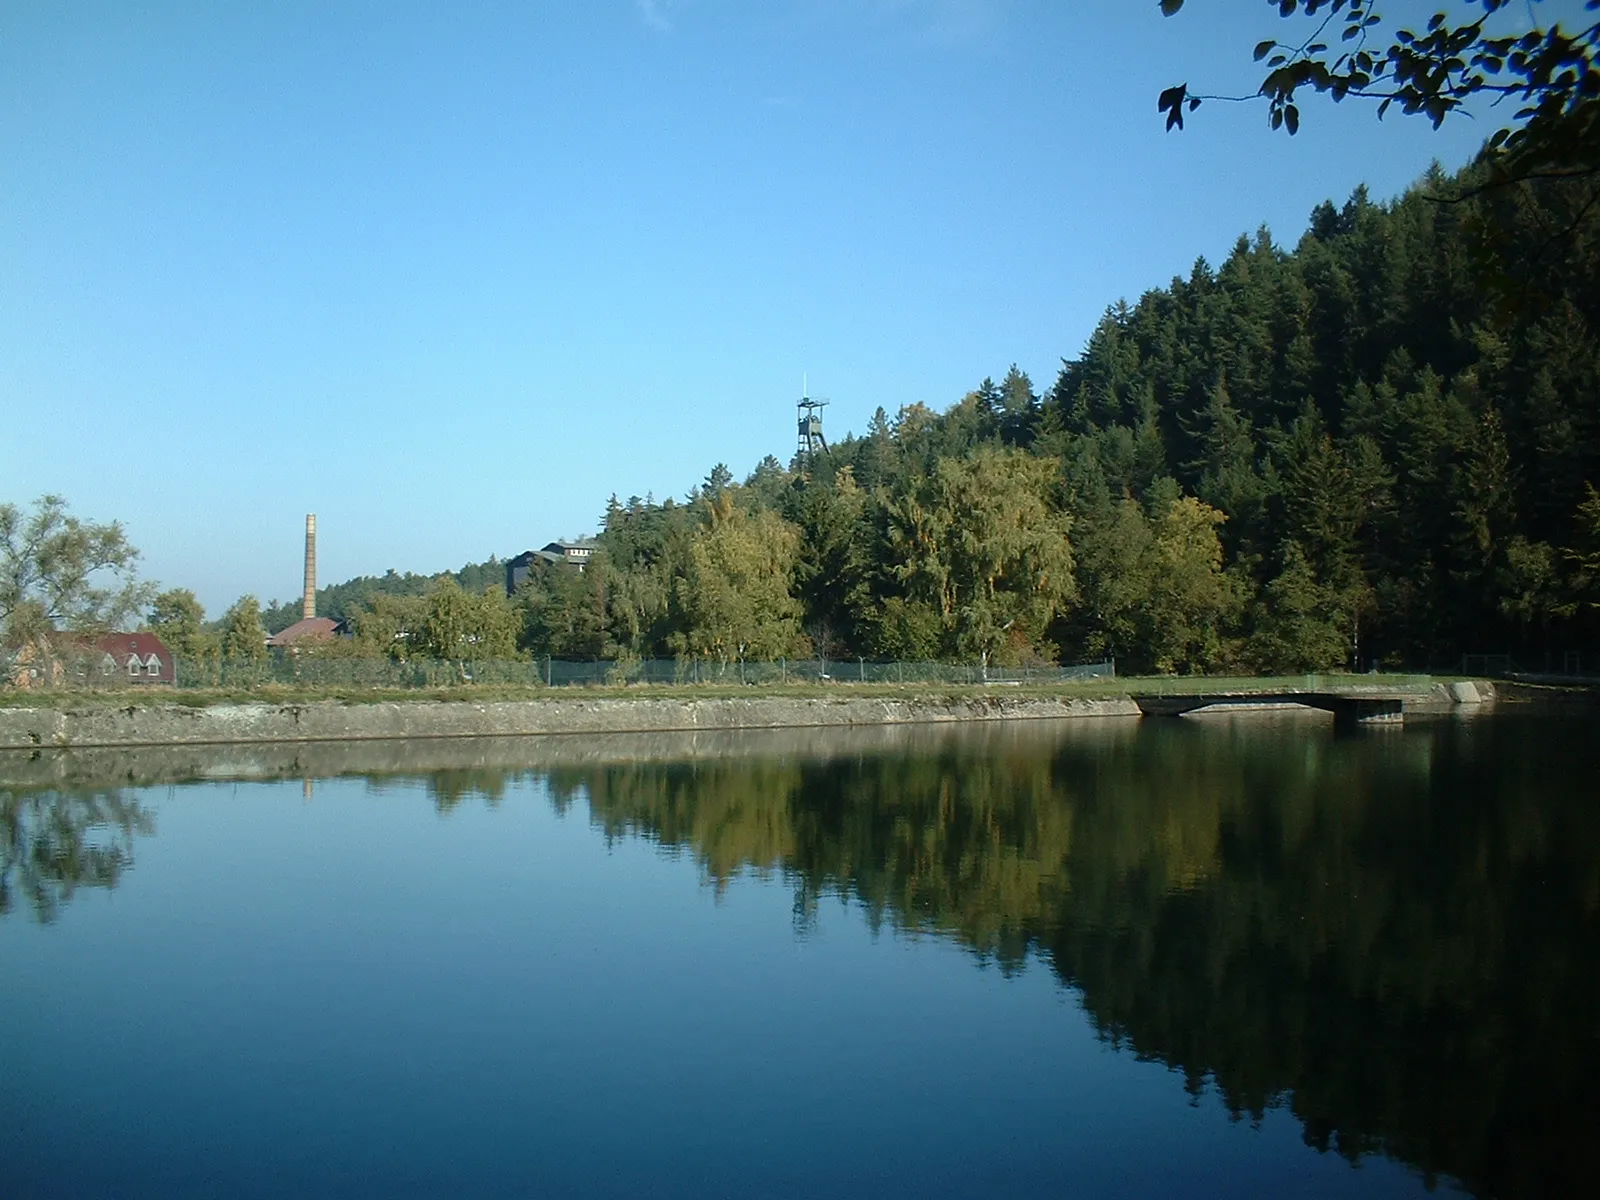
[314,629]
[561,551]
[120,645]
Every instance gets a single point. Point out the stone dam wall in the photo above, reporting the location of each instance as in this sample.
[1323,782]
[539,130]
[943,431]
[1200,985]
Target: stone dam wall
[170,724]
[333,721]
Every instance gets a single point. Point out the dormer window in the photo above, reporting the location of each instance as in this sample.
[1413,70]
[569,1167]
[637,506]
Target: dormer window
[133,665]
[107,664]
[152,666]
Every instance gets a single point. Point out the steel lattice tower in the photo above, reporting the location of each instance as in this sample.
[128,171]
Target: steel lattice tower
[811,442]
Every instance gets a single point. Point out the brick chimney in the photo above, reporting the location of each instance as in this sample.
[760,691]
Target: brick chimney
[308,605]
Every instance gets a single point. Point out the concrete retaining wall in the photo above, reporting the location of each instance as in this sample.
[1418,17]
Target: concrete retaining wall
[168,724]
[177,725]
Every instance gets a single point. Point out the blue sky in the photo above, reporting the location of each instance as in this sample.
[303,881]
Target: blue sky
[450,275]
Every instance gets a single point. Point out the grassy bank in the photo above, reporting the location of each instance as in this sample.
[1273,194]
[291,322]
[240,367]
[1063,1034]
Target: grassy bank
[1092,689]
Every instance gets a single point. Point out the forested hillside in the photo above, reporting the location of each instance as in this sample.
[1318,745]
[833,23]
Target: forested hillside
[340,600]
[1378,446]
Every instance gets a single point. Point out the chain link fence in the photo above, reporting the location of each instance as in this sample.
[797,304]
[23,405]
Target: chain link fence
[365,673]
[314,671]
[856,670]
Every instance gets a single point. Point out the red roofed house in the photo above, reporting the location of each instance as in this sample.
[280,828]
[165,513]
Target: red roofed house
[136,658]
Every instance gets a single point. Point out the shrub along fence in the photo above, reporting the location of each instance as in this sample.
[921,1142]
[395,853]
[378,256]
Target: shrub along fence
[310,671]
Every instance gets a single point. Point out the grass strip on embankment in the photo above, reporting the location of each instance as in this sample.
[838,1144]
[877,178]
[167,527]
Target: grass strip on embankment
[473,693]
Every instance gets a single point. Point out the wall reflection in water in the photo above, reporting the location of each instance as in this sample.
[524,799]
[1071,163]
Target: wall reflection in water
[1396,935]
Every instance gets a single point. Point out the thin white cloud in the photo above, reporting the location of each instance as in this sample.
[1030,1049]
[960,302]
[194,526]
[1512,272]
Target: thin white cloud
[958,20]
[655,13]
[940,21]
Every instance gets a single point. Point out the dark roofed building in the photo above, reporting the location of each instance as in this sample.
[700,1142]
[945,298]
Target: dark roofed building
[573,554]
[517,570]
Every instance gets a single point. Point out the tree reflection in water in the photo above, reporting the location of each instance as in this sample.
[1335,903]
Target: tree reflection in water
[54,842]
[1396,937]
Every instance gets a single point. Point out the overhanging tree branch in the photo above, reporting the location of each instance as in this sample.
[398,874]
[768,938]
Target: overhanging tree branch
[1435,71]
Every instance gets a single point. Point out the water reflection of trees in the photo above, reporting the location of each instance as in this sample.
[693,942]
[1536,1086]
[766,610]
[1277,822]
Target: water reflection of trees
[54,842]
[1397,938]
[448,789]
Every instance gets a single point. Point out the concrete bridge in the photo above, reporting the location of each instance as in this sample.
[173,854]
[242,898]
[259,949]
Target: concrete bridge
[1346,709]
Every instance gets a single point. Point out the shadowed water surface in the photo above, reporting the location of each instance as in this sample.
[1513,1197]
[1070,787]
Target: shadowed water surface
[1232,957]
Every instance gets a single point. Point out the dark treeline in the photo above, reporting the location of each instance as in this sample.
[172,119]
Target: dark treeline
[1376,447]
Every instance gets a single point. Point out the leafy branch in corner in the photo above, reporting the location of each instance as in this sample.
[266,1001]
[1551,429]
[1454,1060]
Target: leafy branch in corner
[1434,71]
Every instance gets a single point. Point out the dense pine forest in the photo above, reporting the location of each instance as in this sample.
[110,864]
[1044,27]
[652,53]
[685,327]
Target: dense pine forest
[1378,447]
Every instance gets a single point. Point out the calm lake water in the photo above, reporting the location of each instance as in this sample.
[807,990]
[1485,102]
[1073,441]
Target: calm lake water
[1201,957]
